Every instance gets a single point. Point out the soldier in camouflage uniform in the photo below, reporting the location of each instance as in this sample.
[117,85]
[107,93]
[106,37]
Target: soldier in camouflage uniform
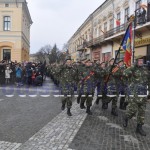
[88,85]
[101,74]
[111,88]
[80,69]
[138,86]
[67,80]
[120,83]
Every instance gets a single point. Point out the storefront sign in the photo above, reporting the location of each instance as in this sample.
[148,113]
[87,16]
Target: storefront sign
[142,42]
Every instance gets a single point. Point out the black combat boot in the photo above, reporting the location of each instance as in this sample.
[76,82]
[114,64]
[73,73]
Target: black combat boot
[97,100]
[125,105]
[105,105]
[78,99]
[88,110]
[114,112]
[68,112]
[140,130]
[82,106]
[63,107]
[125,121]
[122,99]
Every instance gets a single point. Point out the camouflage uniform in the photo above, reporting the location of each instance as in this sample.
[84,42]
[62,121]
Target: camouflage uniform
[67,80]
[120,84]
[112,90]
[100,77]
[88,87]
[80,69]
[138,86]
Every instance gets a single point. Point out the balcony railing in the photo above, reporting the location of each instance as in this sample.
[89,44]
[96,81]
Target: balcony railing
[116,30]
[113,32]
[98,40]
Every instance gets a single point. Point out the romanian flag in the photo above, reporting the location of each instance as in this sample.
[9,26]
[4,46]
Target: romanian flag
[117,22]
[127,46]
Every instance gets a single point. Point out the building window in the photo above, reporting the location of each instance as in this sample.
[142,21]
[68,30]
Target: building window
[7,23]
[6,54]
[106,56]
[6,5]
[105,27]
[111,24]
[126,14]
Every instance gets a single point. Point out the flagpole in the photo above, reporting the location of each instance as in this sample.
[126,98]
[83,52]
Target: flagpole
[117,54]
[133,37]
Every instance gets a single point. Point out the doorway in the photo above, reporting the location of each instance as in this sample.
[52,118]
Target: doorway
[6,54]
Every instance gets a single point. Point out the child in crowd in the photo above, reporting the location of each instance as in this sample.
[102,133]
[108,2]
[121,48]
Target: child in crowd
[8,71]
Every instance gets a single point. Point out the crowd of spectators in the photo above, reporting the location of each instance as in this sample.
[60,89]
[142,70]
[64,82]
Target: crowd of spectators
[28,73]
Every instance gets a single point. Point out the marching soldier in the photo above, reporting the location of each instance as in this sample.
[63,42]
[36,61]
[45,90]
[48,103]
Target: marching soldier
[88,86]
[111,88]
[80,69]
[120,83]
[101,87]
[67,80]
[138,86]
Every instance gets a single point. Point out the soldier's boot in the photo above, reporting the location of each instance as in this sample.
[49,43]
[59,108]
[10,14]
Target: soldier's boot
[82,106]
[125,121]
[122,99]
[63,107]
[125,105]
[140,130]
[68,112]
[106,106]
[103,105]
[78,99]
[88,110]
[114,112]
[97,100]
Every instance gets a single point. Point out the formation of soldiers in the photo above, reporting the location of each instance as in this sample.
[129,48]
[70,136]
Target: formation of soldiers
[113,82]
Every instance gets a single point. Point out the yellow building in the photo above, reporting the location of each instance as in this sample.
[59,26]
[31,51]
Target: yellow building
[15,23]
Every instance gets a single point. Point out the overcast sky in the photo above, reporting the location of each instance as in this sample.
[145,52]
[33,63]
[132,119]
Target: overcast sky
[55,21]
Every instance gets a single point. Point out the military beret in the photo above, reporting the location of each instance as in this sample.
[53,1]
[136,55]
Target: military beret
[102,63]
[87,60]
[83,59]
[120,60]
[139,57]
[111,59]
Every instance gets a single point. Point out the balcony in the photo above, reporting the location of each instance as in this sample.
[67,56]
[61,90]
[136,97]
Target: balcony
[116,30]
[98,40]
[142,21]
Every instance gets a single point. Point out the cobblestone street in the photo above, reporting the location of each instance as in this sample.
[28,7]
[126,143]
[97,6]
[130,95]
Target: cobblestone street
[102,131]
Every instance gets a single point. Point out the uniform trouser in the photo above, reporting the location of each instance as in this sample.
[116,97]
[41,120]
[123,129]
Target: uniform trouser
[79,91]
[68,101]
[88,99]
[136,106]
[113,100]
